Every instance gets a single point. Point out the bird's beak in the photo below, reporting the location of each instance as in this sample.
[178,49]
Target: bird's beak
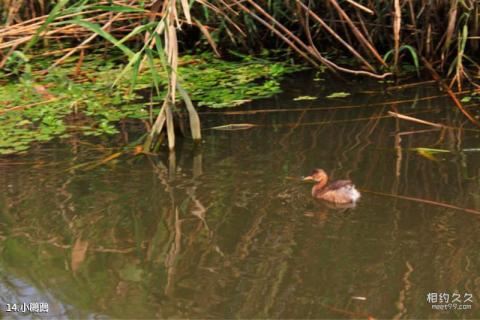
[307,178]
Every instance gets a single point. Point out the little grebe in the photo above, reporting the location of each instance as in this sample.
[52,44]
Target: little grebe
[341,191]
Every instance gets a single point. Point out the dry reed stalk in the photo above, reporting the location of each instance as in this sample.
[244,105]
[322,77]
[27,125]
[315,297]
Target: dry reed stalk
[410,85]
[68,29]
[452,18]
[88,40]
[220,12]
[275,23]
[364,42]
[165,116]
[370,24]
[14,7]
[449,91]
[161,119]
[428,41]
[361,7]
[78,65]
[408,133]
[311,50]
[476,26]
[280,35]
[192,113]
[363,25]
[359,72]
[412,119]
[33,24]
[397,21]
[414,23]
[335,35]
[30,26]
[426,201]
[209,38]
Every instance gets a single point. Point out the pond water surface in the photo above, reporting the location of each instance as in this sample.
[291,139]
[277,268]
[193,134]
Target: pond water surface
[228,229]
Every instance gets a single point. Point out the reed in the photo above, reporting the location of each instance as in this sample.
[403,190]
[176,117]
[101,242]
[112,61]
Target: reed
[361,30]
[367,32]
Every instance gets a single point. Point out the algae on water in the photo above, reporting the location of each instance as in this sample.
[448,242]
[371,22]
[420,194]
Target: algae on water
[39,108]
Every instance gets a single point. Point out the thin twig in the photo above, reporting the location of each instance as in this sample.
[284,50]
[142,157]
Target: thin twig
[435,203]
[408,118]
[449,91]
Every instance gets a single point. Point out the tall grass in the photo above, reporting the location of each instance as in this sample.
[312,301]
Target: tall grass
[439,31]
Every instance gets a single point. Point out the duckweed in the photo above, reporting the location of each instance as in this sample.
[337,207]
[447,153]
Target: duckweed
[37,108]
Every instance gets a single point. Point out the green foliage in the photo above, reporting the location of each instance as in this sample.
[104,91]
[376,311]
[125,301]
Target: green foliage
[301,98]
[217,83]
[27,116]
[18,63]
[469,97]
[413,54]
[338,95]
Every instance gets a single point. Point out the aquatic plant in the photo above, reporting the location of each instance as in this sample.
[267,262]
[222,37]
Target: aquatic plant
[40,108]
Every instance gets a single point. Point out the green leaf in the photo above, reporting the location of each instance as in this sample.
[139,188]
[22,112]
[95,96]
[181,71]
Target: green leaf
[338,95]
[430,150]
[134,60]
[137,30]
[117,8]
[413,53]
[429,153]
[98,30]
[300,98]
[153,70]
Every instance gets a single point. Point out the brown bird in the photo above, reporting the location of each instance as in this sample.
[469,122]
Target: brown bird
[341,191]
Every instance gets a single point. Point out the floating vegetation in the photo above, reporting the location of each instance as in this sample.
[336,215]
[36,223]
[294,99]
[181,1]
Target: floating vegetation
[302,98]
[218,83]
[235,126]
[473,95]
[338,95]
[39,108]
[429,153]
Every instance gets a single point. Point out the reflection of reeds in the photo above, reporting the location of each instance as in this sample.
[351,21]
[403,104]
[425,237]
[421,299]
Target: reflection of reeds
[252,252]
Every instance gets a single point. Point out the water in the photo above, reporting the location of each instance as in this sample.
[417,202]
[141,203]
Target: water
[228,230]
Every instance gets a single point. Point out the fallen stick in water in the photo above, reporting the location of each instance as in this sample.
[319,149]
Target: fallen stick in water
[408,118]
[435,203]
